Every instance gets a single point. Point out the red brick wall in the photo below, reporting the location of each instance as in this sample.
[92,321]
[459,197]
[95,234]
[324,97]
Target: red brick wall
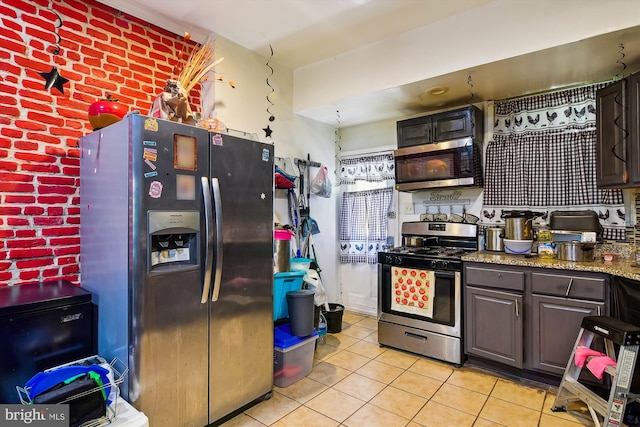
[102,52]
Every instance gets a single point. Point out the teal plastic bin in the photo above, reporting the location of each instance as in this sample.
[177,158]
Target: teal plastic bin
[283,283]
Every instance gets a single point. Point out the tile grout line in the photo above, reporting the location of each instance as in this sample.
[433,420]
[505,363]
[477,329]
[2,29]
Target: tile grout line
[385,385]
[403,370]
[485,404]
[429,399]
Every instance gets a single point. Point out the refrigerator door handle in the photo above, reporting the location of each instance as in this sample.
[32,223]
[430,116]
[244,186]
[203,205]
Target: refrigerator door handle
[217,208]
[208,219]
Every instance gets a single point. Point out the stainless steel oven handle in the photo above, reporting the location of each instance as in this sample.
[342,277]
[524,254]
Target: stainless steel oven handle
[416,336]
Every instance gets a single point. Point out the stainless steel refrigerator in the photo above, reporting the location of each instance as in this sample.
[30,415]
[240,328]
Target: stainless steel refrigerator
[176,245]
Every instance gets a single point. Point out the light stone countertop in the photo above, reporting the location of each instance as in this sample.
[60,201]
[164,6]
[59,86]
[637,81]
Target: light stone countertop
[622,267]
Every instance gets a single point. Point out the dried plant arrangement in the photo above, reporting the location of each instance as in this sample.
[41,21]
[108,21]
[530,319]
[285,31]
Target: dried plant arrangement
[173,104]
[200,62]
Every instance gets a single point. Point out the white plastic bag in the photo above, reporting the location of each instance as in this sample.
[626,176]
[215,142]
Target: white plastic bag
[312,278]
[321,185]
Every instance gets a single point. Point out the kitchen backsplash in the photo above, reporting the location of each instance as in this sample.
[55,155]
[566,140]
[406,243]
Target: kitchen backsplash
[412,205]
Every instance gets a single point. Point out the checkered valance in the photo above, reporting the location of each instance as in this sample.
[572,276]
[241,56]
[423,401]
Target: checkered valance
[370,168]
[543,156]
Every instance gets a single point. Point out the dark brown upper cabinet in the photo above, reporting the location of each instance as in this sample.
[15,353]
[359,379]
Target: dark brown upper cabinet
[617,123]
[446,126]
[633,123]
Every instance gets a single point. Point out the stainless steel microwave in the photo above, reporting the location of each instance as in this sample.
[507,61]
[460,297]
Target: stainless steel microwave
[444,164]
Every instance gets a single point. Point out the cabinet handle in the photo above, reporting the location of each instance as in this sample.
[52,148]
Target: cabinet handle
[566,294]
[500,275]
[598,310]
[517,309]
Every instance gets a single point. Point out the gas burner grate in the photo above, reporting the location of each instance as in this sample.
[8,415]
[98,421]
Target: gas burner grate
[431,251]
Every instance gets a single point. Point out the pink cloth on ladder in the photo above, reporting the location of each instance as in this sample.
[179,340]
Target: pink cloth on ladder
[582,353]
[597,365]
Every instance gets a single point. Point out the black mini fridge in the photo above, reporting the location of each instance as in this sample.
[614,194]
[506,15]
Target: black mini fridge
[42,325]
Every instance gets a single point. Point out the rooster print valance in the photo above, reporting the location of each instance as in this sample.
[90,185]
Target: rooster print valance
[369,168]
[573,109]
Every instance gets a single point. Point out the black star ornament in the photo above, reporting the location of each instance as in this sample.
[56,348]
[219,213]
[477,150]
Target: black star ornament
[267,131]
[54,79]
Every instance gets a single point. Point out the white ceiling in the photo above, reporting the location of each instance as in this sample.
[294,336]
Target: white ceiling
[587,61]
[304,32]
[301,31]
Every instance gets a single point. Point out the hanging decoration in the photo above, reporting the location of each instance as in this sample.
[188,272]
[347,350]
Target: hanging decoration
[618,118]
[55,49]
[53,77]
[337,131]
[338,137]
[471,95]
[620,61]
[267,130]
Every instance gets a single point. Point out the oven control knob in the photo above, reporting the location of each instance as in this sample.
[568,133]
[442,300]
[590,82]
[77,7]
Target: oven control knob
[388,259]
[443,264]
[398,260]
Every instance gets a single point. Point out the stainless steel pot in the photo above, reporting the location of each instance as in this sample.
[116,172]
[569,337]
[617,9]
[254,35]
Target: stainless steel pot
[576,251]
[518,228]
[493,239]
[519,224]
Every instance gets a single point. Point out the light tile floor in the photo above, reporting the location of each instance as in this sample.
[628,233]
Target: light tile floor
[356,383]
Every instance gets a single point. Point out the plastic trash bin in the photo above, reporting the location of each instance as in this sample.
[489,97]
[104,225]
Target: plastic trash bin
[301,305]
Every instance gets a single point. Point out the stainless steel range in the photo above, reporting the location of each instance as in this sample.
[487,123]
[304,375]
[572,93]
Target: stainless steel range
[419,289]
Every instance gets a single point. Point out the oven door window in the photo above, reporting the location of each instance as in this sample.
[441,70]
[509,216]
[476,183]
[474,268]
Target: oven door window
[426,166]
[419,294]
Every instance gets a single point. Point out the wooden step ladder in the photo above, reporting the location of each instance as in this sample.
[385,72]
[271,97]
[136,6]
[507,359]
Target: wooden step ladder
[627,337]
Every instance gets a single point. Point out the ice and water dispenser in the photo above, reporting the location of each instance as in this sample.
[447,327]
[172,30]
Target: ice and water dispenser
[173,239]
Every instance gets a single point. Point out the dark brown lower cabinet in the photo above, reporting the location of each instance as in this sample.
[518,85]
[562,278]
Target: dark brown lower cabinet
[555,326]
[494,327]
[529,318]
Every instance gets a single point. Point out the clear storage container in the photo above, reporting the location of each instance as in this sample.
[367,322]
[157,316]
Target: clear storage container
[292,356]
